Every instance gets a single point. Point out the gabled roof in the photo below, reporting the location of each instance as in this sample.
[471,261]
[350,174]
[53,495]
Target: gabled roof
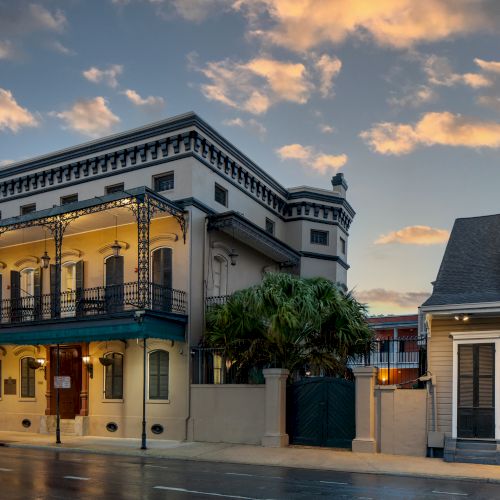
[470,269]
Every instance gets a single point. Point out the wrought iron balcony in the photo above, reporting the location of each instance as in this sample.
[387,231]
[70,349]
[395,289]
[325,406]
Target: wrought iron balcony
[107,301]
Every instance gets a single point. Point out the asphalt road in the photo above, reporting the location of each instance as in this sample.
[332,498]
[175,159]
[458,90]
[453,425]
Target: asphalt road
[27,474]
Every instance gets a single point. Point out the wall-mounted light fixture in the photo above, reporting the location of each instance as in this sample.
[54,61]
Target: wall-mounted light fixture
[233,255]
[462,317]
[89,365]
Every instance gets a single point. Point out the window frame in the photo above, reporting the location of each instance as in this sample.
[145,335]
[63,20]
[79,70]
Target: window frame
[221,189]
[158,399]
[317,232]
[270,224]
[31,377]
[343,245]
[27,209]
[157,178]
[114,188]
[113,376]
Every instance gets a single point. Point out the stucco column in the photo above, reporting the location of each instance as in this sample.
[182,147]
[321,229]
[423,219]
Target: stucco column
[365,441]
[84,393]
[275,410]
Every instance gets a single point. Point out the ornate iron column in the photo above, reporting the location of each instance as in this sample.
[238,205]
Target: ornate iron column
[143,212]
[57,228]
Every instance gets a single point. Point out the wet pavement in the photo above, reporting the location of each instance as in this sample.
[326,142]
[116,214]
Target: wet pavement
[27,474]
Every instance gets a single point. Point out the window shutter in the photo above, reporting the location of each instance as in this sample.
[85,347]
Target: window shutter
[79,295]
[37,292]
[15,285]
[53,298]
[114,283]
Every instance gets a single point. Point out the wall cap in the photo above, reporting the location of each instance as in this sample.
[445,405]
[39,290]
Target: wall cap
[386,387]
[275,372]
[364,371]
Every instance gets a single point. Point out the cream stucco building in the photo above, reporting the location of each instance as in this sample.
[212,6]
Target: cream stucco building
[109,252]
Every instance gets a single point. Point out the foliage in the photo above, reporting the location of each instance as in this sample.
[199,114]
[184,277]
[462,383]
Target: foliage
[289,322]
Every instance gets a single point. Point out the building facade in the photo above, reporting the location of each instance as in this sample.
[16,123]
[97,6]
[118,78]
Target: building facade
[109,253]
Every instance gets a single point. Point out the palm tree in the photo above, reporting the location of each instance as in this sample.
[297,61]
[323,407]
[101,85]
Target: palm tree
[289,322]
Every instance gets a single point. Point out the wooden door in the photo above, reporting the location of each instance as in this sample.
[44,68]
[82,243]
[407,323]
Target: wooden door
[70,365]
[476,391]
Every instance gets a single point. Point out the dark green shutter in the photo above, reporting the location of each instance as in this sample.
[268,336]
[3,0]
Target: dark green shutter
[162,279]
[37,293]
[15,295]
[79,295]
[114,283]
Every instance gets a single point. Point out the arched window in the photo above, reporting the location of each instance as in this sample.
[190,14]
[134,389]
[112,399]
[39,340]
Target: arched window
[68,289]
[219,270]
[28,282]
[27,378]
[113,376]
[158,374]
[161,272]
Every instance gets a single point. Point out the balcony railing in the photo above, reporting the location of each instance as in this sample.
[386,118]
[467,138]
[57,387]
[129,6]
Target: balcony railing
[218,300]
[87,302]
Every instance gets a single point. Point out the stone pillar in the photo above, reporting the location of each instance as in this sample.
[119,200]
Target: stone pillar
[275,409]
[84,393]
[365,441]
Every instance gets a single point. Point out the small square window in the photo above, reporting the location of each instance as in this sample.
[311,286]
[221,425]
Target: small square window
[269,226]
[221,195]
[27,209]
[71,198]
[342,245]
[164,182]
[114,188]
[319,237]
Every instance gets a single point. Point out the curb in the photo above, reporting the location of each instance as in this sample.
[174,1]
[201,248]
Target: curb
[143,454]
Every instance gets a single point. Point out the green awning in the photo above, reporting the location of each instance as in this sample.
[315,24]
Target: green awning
[95,331]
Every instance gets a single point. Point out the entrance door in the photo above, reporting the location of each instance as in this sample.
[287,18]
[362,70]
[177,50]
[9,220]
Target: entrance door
[476,391]
[70,365]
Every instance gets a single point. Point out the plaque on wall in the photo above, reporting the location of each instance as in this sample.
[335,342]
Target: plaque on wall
[9,386]
[62,382]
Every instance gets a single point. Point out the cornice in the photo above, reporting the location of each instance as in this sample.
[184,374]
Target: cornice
[335,258]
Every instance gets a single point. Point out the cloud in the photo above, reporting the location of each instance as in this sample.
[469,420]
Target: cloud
[382,295]
[329,68]
[23,17]
[439,72]
[415,235]
[489,66]
[195,10]
[489,101]
[301,25]
[12,115]
[309,157]
[90,117]
[137,100]
[62,49]
[107,76]
[413,97]
[439,128]
[6,50]
[326,129]
[251,124]
[256,85]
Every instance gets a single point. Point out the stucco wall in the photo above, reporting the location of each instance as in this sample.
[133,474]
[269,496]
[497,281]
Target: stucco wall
[401,421]
[227,413]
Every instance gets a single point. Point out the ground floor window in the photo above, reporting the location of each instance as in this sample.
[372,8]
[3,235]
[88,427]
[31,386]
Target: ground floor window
[158,374]
[113,376]
[27,378]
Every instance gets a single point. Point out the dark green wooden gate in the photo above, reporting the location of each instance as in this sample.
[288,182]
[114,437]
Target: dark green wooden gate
[320,412]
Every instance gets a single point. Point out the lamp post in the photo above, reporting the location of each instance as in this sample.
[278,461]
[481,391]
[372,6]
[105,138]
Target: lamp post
[58,414]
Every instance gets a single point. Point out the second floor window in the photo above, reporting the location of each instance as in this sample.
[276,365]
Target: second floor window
[71,198]
[27,209]
[114,188]
[221,195]
[164,182]
[319,237]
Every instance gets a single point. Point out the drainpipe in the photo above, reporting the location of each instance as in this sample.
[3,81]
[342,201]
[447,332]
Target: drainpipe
[143,436]
[58,413]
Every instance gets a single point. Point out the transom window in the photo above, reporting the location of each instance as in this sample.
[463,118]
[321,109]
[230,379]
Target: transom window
[27,378]
[113,376]
[220,195]
[164,182]
[319,237]
[158,374]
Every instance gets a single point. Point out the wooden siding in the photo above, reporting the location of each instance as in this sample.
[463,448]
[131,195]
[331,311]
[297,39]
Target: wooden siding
[440,363]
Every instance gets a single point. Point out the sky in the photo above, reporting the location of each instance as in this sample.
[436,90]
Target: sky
[403,97]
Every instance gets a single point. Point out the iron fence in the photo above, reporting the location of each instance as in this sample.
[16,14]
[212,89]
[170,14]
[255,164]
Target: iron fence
[96,301]
[400,361]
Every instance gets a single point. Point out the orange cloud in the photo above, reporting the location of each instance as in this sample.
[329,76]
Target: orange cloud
[12,115]
[304,24]
[441,128]
[490,66]
[382,295]
[307,156]
[415,235]
[137,100]
[90,117]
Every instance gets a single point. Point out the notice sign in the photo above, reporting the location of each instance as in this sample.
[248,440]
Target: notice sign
[9,386]
[62,382]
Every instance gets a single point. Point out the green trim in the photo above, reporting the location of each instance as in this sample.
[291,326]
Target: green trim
[150,327]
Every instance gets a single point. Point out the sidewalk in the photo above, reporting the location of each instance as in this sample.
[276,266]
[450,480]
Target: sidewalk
[300,457]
